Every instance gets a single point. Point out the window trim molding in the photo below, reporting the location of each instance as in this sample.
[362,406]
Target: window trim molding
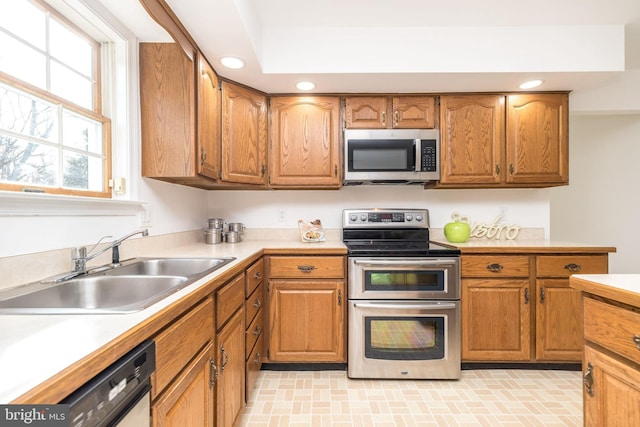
[16,204]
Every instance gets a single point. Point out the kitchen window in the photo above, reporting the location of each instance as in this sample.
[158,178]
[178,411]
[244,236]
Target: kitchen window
[53,135]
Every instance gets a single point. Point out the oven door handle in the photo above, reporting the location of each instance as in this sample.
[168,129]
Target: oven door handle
[437,262]
[404,306]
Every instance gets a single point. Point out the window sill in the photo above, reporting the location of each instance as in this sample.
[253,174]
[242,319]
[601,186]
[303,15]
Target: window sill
[29,204]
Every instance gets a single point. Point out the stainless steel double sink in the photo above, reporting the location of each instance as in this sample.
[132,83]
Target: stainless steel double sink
[132,286]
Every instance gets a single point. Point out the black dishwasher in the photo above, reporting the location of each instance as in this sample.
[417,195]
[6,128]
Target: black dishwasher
[117,394]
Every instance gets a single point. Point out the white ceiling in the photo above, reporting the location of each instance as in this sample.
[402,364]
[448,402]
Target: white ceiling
[409,45]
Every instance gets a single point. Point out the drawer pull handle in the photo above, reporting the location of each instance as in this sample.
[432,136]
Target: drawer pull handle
[256,359]
[636,340]
[587,380]
[213,373]
[495,268]
[257,303]
[526,295]
[573,267]
[257,276]
[542,295]
[306,268]
[225,358]
[257,331]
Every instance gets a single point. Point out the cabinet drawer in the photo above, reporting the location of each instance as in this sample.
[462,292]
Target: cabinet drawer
[613,327]
[254,331]
[229,299]
[180,342]
[254,302]
[307,267]
[494,266]
[566,265]
[255,273]
[253,365]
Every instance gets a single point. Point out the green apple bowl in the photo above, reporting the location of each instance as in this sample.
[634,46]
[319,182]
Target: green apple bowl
[457,232]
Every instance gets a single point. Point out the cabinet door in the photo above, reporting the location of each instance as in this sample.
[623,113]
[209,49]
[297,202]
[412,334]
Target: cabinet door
[167,110]
[366,112]
[611,391]
[230,360]
[472,139]
[495,320]
[305,142]
[244,135]
[306,320]
[208,120]
[190,399]
[413,112]
[558,321]
[537,139]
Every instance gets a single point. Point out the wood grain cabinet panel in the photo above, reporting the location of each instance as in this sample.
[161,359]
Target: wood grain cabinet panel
[244,135]
[308,267]
[230,360]
[305,142]
[229,299]
[386,112]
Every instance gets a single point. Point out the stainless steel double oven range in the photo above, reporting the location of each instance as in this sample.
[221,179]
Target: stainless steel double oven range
[403,297]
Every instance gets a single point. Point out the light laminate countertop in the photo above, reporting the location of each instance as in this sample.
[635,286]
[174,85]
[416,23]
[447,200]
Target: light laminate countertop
[624,288]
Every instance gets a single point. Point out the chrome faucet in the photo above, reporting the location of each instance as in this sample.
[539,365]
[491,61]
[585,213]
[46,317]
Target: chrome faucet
[81,256]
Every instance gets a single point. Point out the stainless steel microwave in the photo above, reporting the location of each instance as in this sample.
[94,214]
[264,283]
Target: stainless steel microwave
[391,156]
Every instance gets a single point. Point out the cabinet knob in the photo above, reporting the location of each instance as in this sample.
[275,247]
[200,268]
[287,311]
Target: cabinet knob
[636,341]
[257,331]
[257,303]
[257,275]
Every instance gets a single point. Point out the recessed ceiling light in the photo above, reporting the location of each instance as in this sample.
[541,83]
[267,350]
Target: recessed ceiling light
[531,84]
[306,85]
[231,62]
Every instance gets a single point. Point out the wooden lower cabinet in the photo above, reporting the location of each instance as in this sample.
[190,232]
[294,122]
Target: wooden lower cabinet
[520,307]
[611,390]
[230,360]
[306,321]
[190,399]
[496,319]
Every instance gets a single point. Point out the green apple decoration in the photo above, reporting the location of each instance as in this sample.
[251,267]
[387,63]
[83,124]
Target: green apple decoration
[457,231]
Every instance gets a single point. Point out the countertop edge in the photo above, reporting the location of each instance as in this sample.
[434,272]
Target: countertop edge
[615,287]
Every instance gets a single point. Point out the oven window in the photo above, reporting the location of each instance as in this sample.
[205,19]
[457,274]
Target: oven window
[404,338]
[411,280]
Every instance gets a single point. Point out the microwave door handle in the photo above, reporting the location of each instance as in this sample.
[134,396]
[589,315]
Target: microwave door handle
[418,151]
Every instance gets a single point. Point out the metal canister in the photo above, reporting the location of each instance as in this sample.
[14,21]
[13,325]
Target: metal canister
[216,223]
[236,226]
[232,237]
[213,236]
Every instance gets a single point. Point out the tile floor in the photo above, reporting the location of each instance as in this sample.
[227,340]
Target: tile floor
[493,398]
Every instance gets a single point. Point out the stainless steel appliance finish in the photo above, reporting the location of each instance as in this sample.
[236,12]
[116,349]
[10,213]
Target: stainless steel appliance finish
[403,297]
[119,395]
[391,156]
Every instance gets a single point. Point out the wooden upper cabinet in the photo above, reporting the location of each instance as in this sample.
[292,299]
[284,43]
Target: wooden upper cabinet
[472,139]
[208,120]
[244,135]
[180,110]
[537,139]
[382,112]
[504,140]
[304,134]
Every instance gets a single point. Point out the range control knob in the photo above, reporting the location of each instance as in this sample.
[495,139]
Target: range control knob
[353,218]
[409,217]
[419,218]
[363,217]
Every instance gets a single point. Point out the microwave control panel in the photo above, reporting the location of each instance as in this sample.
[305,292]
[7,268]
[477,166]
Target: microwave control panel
[428,155]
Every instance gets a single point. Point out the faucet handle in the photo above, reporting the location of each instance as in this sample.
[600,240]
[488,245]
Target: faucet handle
[79,252]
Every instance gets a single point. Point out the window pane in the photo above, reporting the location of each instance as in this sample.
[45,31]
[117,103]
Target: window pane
[23,114]
[70,49]
[22,62]
[81,132]
[82,172]
[27,162]
[71,86]
[25,20]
